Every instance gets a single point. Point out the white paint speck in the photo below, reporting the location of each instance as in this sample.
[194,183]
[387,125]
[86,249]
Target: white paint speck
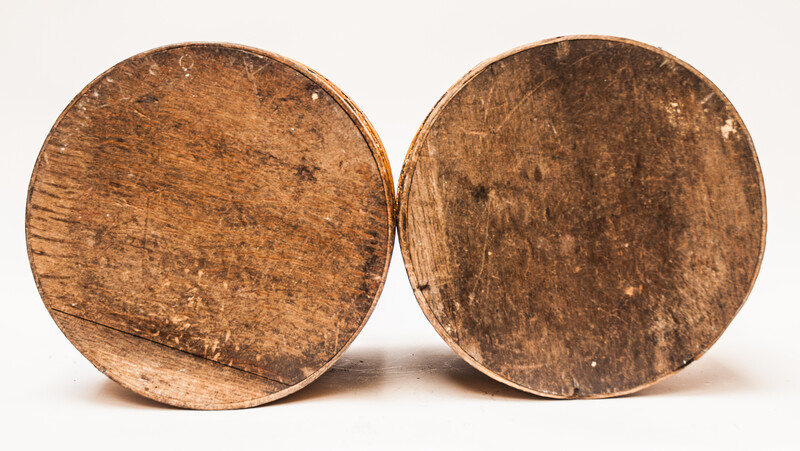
[629,291]
[673,104]
[728,128]
[186,75]
[594,364]
[314,96]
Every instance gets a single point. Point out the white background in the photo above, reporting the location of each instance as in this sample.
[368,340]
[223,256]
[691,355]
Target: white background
[399,386]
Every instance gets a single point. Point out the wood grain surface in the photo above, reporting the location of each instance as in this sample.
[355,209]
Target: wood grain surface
[582,217]
[211,225]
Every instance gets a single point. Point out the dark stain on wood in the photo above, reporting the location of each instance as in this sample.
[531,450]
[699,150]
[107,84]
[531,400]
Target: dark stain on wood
[582,217]
[211,225]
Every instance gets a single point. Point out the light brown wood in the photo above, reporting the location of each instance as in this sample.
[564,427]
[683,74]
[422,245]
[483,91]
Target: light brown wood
[211,225]
[582,217]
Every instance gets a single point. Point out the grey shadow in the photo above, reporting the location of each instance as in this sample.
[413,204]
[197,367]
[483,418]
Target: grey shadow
[471,381]
[415,370]
[706,376]
[356,372]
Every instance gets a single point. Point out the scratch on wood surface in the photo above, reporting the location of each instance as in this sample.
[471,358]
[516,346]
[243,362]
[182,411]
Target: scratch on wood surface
[146,224]
[536,88]
[140,113]
[484,251]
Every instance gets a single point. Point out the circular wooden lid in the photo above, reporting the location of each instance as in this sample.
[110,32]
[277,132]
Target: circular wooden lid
[211,225]
[582,217]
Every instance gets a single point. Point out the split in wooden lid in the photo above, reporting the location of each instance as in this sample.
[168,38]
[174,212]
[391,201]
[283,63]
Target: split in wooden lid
[582,217]
[211,225]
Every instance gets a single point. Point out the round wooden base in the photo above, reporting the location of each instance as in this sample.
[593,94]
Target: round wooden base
[582,217]
[211,225]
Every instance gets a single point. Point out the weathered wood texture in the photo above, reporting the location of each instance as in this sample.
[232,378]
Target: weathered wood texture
[582,217]
[211,225]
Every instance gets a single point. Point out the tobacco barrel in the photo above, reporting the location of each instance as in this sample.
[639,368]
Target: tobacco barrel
[211,225]
[582,217]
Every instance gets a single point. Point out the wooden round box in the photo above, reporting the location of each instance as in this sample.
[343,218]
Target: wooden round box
[210,224]
[582,217]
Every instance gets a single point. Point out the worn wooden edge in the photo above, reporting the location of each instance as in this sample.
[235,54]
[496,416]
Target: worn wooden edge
[147,367]
[407,176]
[369,134]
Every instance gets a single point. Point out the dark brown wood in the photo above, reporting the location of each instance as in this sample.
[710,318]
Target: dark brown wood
[582,217]
[211,225]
